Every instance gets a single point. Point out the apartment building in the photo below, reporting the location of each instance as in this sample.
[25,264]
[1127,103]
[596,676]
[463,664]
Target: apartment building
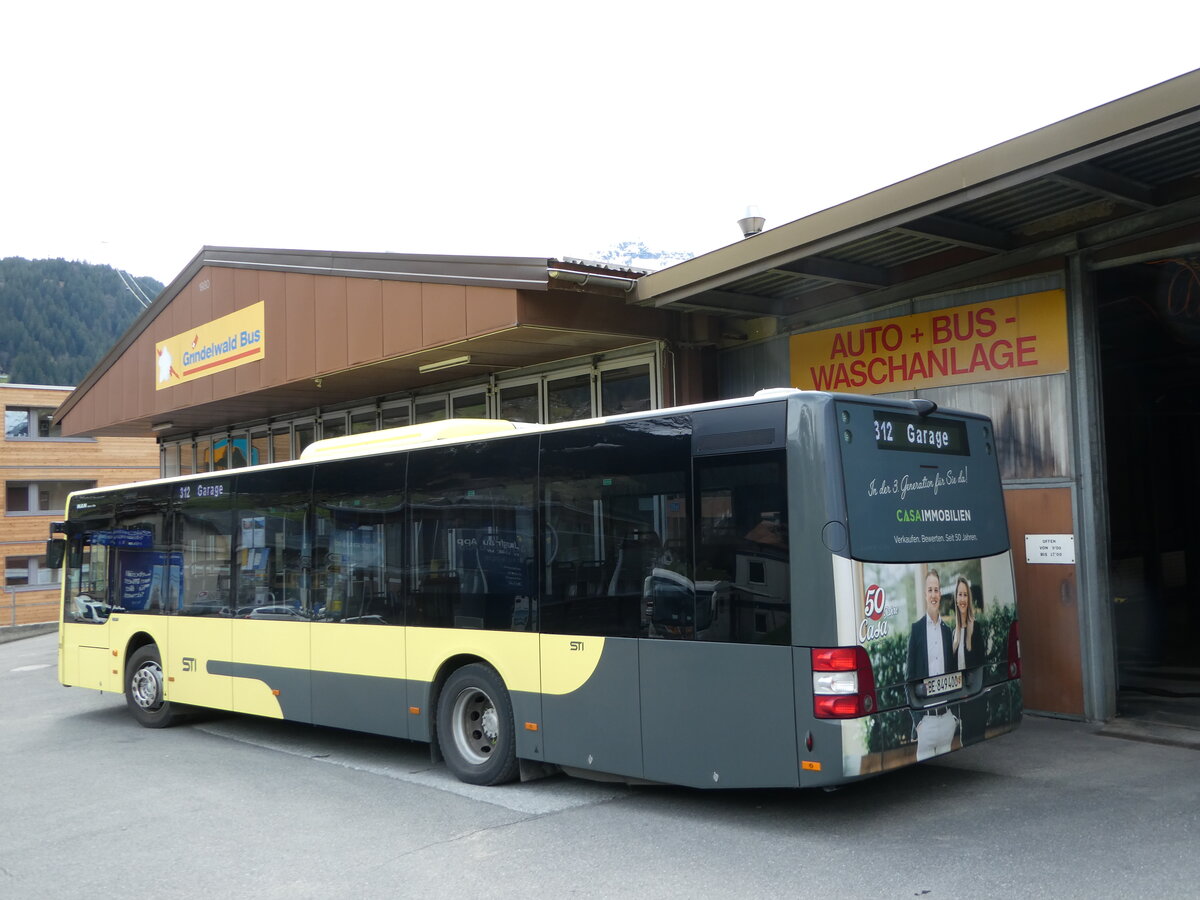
[39,468]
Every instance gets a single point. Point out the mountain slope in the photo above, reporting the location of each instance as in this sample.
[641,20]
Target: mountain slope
[57,318]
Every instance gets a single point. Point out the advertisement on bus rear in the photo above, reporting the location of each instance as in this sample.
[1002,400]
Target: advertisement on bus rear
[937,635]
[919,487]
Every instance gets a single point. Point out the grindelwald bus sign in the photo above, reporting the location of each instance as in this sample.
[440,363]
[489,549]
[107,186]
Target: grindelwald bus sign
[224,343]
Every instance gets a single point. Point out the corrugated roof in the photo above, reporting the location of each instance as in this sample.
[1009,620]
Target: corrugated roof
[1128,166]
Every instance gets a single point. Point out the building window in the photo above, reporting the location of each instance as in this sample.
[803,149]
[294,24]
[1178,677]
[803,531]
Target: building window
[364,420]
[29,422]
[40,498]
[520,402]
[569,397]
[203,454]
[281,444]
[431,409]
[28,571]
[305,434]
[187,458]
[626,389]
[333,426]
[470,404]
[396,415]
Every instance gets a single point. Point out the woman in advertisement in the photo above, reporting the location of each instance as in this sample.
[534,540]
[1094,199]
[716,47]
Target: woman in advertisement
[968,640]
[969,653]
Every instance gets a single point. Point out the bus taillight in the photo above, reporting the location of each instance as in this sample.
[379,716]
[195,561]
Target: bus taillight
[1014,651]
[843,683]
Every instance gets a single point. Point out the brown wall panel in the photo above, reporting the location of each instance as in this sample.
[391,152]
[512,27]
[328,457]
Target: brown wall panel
[401,317]
[247,377]
[563,309]
[223,383]
[81,417]
[443,313]
[330,317]
[490,309]
[143,349]
[300,292]
[107,409]
[1051,664]
[132,364]
[200,309]
[141,375]
[172,397]
[221,291]
[274,369]
[115,384]
[179,320]
[364,315]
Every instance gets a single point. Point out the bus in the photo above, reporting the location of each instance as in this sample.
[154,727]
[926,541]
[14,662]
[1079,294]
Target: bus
[794,589]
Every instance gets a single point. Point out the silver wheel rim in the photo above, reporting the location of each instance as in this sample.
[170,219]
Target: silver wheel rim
[146,686]
[475,725]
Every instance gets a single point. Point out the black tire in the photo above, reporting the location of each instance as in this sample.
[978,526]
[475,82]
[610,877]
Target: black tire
[144,689]
[475,726]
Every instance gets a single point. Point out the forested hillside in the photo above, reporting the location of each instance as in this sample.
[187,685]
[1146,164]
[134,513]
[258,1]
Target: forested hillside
[57,318]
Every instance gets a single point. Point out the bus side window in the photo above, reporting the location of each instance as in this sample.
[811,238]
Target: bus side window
[357,542]
[204,536]
[742,573]
[472,535]
[617,531]
[273,545]
[140,551]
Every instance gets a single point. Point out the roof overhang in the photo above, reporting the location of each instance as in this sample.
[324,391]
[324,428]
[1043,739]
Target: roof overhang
[529,311]
[1122,169]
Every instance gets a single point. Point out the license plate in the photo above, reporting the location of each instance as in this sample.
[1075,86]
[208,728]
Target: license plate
[943,684]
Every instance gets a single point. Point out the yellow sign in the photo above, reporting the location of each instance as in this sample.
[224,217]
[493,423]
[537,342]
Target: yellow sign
[224,343]
[1015,337]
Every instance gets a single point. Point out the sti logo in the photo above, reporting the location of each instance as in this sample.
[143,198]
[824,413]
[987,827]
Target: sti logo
[189,664]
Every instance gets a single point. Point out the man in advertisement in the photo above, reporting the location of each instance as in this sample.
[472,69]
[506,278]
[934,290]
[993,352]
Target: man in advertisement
[930,653]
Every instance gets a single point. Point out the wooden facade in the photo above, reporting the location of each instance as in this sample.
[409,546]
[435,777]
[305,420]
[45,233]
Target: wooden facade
[37,460]
[355,326]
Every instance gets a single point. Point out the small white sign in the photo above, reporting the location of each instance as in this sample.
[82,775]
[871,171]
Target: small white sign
[1050,548]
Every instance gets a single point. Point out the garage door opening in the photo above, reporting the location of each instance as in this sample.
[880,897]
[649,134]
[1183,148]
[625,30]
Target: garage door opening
[1149,330]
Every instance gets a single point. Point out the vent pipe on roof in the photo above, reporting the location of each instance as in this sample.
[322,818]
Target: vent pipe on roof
[752,223]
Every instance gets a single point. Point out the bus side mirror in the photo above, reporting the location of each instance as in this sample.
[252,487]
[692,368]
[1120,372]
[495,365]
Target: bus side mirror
[56,549]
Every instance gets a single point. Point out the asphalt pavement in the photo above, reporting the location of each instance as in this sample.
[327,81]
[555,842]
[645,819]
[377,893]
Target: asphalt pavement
[92,805]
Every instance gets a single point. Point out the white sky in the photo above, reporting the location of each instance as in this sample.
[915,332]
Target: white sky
[137,132]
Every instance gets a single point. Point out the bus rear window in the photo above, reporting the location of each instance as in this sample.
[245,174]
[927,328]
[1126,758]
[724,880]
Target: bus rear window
[919,488]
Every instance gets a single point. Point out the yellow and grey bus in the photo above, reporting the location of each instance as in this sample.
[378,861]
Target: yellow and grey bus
[792,589]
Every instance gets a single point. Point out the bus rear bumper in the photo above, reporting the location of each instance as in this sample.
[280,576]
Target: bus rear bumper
[899,737]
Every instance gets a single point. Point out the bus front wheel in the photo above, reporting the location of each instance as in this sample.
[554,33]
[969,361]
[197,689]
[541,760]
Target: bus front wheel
[475,726]
[144,689]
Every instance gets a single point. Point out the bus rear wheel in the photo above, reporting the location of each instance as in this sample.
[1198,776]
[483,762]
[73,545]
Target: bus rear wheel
[475,726]
[144,689]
